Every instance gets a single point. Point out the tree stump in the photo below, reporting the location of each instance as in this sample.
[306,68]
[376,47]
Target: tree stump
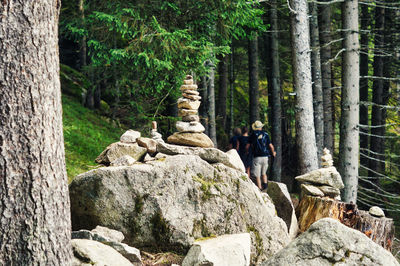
[311,209]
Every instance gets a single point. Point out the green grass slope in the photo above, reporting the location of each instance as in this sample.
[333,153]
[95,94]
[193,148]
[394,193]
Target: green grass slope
[86,135]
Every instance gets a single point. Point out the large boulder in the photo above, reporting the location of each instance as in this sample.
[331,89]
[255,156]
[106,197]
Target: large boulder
[222,250]
[323,176]
[211,155]
[328,242]
[119,149]
[171,202]
[284,206]
[90,252]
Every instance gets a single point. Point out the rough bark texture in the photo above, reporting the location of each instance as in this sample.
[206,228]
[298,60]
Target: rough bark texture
[317,81]
[326,71]
[364,121]
[253,80]
[349,134]
[34,202]
[222,91]
[231,85]
[276,95]
[204,104]
[211,106]
[305,131]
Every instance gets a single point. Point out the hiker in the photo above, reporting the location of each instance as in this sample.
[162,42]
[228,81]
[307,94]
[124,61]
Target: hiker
[262,149]
[246,156]
[234,141]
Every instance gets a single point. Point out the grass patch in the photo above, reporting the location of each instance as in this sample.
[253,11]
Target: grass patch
[86,135]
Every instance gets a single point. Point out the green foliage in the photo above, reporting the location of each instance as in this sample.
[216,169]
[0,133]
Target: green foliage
[86,135]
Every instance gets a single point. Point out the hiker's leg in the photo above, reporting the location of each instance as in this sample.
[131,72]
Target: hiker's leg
[264,169]
[256,171]
[248,171]
[264,178]
[258,180]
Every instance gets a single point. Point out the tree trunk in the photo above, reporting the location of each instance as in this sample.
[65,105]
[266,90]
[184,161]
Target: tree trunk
[203,110]
[276,95]
[349,135]
[364,120]
[34,209]
[376,143]
[253,80]
[305,131]
[317,81]
[83,48]
[326,69]
[211,105]
[231,84]
[222,91]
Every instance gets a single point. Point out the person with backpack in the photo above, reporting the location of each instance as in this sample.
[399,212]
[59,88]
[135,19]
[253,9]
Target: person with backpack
[262,149]
[245,154]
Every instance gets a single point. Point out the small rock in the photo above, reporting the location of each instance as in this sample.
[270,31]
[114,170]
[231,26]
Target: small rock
[191,139]
[191,92]
[156,136]
[330,191]
[191,118]
[119,149]
[130,136]
[131,253]
[323,176]
[191,97]
[376,211]
[111,234]
[148,158]
[184,103]
[186,112]
[188,82]
[311,190]
[149,144]
[125,160]
[188,87]
[194,127]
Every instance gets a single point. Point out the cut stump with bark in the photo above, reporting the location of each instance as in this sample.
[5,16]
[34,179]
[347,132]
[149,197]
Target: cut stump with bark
[311,209]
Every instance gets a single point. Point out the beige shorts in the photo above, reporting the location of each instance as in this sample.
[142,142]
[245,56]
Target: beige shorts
[260,166]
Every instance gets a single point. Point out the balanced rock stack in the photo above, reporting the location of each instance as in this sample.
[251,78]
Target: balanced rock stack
[323,182]
[190,129]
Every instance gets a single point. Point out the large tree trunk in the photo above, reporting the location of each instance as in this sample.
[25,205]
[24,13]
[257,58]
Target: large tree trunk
[222,91]
[305,131]
[326,69]
[377,130]
[253,80]
[349,135]
[34,208]
[83,47]
[203,110]
[276,94]
[364,121]
[317,81]
[231,85]
[211,105]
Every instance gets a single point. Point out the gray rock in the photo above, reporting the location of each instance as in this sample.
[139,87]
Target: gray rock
[156,136]
[211,155]
[188,87]
[130,136]
[108,233]
[131,253]
[191,118]
[328,242]
[170,203]
[186,112]
[191,92]
[95,253]
[311,190]
[376,211]
[195,127]
[323,176]
[330,191]
[125,160]
[188,104]
[281,198]
[221,250]
[149,144]
[119,149]
[191,96]
[191,139]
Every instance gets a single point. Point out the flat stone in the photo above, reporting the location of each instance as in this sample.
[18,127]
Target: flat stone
[194,127]
[311,190]
[191,97]
[189,87]
[188,82]
[186,112]
[119,149]
[191,139]
[191,118]
[191,92]
[125,160]
[156,135]
[149,144]
[376,211]
[130,136]
[330,191]
[111,234]
[184,103]
[323,176]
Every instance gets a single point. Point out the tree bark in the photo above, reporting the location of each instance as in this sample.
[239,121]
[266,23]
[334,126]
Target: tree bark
[376,143]
[211,105]
[203,110]
[349,135]
[276,95]
[305,131]
[253,80]
[317,81]
[364,120]
[34,202]
[222,91]
[83,48]
[326,71]
[231,85]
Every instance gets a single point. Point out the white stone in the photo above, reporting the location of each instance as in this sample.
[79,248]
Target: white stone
[188,87]
[130,136]
[221,250]
[186,112]
[119,149]
[376,211]
[125,160]
[188,82]
[188,104]
[108,233]
[194,127]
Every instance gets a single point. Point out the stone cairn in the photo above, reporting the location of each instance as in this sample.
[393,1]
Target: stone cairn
[323,182]
[190,130]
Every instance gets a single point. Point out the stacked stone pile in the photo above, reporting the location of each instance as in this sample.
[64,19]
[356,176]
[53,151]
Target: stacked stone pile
[323,182]
[190,130]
